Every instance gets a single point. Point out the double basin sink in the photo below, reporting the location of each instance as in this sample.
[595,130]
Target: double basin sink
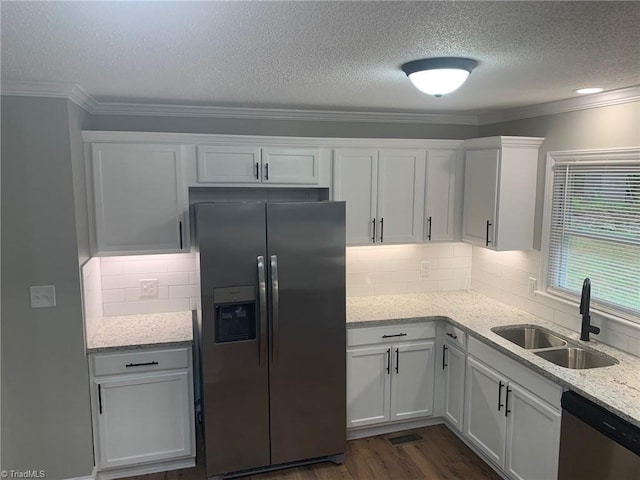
[554,348]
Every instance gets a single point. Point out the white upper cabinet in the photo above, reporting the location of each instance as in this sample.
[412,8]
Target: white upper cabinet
[249,165]
[139,198]
[384,192]
[500,192]
[440,196]
[291,165]
[228,164]
[355,181]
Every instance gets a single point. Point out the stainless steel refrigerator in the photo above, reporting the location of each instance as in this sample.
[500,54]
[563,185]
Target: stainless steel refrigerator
[271,333]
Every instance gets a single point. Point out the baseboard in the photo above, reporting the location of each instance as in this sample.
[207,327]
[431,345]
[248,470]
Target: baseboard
[132,471]
[363,432]
[88,477]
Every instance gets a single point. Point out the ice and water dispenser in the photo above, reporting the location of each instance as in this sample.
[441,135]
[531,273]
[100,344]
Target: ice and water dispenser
[235,314]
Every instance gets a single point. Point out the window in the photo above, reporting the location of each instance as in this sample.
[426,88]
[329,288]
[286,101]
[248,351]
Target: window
[592,227]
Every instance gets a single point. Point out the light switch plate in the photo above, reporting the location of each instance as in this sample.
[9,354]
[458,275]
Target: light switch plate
[149,288]
[425,269]
[43,296]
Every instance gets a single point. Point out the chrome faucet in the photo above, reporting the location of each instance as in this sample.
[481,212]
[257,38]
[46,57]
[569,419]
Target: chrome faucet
[585,300]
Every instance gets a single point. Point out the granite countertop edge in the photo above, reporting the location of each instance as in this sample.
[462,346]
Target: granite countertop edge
[140,346]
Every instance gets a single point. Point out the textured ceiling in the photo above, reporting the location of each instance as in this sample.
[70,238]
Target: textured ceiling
[321,55]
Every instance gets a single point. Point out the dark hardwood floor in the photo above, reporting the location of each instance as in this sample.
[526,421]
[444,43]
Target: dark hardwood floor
[438,455]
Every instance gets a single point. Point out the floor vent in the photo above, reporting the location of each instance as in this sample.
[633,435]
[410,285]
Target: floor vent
[403,439]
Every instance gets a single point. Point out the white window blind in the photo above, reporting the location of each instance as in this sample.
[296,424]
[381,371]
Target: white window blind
[595,232]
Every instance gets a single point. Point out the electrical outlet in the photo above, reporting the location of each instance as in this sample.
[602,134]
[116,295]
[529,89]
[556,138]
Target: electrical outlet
[533,284]
[43,296]
[149,288]
[425,269]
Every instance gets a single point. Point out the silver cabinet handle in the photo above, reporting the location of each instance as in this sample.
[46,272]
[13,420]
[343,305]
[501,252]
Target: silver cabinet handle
[275,309]
[262,299]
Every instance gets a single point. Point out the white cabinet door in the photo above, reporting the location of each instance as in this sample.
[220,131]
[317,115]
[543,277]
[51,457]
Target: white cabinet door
[368,384]
[143,419]
[228,164]
[485,421]
[500,192]
[412,380]
[440,195]
[355,182]
[400,196]
[480,194]
[139,198]
[454,366]
[290,165]
[533,436]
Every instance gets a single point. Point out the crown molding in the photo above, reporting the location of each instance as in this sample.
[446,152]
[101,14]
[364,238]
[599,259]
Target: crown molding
[281,114]
[70,91]
[76,94]
[499,142]
[604,99]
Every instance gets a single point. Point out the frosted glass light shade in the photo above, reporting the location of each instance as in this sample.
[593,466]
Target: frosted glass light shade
[439,76]
[439,82]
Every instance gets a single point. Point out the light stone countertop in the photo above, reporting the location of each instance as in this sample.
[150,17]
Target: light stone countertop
[616,388]
[143,331]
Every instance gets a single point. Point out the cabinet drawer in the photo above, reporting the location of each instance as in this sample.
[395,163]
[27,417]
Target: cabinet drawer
[140,361]
[455,336]
[390,333]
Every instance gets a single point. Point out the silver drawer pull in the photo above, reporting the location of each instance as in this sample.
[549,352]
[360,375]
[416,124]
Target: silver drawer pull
[396,335]
[140,364]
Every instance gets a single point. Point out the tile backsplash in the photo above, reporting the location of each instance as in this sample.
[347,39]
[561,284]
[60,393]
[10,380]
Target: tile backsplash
[175,273]
[505,275]
[418,268]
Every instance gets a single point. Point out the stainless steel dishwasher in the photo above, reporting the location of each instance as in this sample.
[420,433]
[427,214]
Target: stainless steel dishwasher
[595,443]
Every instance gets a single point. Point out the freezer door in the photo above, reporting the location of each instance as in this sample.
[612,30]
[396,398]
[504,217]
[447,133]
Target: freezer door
[235,382]
[306,243]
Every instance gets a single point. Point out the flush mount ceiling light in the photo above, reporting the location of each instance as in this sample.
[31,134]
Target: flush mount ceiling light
[439,76]
[586,91]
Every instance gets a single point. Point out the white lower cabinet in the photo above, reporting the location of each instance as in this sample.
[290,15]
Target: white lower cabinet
[143,410]
[453,364]
[392,380]
[516,429]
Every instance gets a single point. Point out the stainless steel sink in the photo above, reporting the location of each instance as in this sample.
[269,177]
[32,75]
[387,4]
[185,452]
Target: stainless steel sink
[529,337]
[576,358]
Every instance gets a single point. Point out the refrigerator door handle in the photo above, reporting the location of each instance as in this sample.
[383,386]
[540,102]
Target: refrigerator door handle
[275,309]
[262,300]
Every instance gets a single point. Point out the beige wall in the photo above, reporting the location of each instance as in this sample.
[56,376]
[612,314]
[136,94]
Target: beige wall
[280,127]
[605,127]
[46,420]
